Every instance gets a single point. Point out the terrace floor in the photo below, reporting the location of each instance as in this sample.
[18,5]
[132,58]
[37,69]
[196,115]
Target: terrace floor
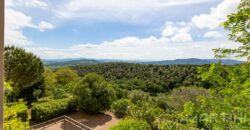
[96,122]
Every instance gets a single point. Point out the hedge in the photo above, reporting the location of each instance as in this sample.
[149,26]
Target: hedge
[48,110]
[131,124]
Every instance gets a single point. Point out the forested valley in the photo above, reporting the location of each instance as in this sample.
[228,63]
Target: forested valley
[144,97]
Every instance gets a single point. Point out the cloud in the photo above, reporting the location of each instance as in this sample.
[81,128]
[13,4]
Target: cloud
[27,3]
[137,49]
[128,11]
[35,3]
[179,32]
[43,25]
[213,35]
[15,22]
[216,15]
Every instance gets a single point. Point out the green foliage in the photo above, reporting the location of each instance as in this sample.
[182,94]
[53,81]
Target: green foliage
[137,95]
[8,91]
[227,107]
[161,101]
[93,94]
[180,96]
[145,111]
[49,80]
[20,109]
[51,109]
[237,25]
[23,69]
[65,76]
[219,76]
[131,124]
[149,78]
[170,125]
[16,124]
[121,107]
[15,118]
[37,93]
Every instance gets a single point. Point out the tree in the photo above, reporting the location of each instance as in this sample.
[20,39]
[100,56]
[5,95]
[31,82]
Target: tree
[121,107]
[37,93]
[239,25]
[7,91]
[22,68]
[138,95]
[49,80]
[65,76]
[93,94]
[180,96]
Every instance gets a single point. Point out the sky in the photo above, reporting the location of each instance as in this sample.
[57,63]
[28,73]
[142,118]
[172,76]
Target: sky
[118,29]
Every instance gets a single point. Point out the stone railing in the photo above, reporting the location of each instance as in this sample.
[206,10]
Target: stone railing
[67,123]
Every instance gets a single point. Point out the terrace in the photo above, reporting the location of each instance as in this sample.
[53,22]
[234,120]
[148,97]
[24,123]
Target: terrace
[78,121]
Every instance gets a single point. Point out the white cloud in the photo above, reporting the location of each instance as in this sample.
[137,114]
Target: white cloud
[154,49]
[129,11]
[43,25]
[179,32]
[35,3]
[216,15]
[26,3]
[182,37]
[15,22]
[213,35]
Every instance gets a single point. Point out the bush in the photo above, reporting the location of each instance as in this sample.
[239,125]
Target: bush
[93,94]
[44,99]
[16,124]
[180,96]
[65,76]
[11,119]
[120,107]
[131,124]
[20,109]
[138,95]
[161,100]
[145,111]
[54,108]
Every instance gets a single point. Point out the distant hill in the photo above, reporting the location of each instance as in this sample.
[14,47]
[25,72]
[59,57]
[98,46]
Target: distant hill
[191,61]
[69,62]
[194,61]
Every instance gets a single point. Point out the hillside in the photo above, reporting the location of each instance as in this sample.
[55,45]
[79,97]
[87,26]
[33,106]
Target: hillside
[191,61]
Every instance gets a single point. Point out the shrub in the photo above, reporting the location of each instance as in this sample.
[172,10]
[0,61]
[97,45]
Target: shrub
[161,100]
[145,111]
[54,108]
[131,124]
[65,76]
[16,124]
[93,94]
[44,99]
[11,119]
[138,95]
[120,107]
[20,109]
[180,96]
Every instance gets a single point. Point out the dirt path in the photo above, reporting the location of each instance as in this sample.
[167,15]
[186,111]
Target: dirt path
[97,122]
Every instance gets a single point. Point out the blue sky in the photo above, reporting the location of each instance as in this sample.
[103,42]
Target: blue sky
[118,29]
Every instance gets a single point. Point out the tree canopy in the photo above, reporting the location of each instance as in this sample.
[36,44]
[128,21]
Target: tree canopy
[22,69]
[239,26]
[93,94]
